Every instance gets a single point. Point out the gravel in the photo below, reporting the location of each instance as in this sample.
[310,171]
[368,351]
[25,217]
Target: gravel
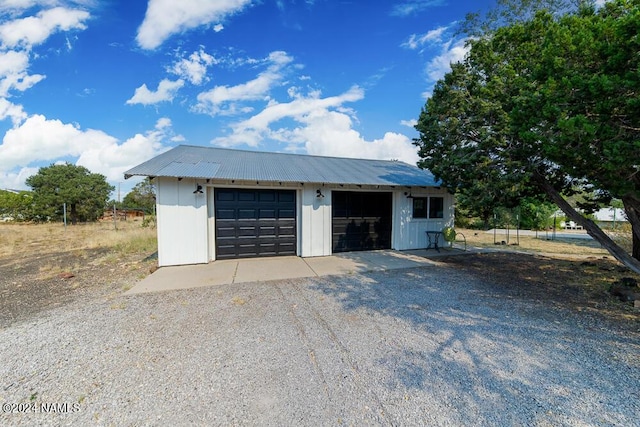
[424,346]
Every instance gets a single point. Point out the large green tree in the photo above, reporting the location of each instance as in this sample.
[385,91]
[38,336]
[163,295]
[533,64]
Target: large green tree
[548,105]
[84,193]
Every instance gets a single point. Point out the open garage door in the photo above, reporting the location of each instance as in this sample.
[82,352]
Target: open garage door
[255,223]
[360,221]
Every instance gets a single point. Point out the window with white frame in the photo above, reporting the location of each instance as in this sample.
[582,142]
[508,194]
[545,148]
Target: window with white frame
[428,207]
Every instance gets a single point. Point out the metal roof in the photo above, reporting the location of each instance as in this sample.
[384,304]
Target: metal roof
[185,161]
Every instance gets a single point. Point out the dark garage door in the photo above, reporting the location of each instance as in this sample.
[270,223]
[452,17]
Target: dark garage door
[255,223]
[361,221]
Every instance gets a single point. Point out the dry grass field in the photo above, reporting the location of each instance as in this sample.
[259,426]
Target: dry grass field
[28,239]
[567,272]
[47,265]
[544,242]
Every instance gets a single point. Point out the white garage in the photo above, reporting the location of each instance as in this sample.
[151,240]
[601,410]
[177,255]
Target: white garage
[215,203]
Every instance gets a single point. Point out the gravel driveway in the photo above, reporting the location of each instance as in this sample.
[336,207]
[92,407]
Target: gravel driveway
[423,346]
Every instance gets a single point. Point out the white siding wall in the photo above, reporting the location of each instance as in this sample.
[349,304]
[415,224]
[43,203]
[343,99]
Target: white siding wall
[211,223]
[186,222]
[315,222]
[409,232]
[182,223]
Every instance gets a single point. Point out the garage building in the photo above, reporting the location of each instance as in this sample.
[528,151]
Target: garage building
[215,203]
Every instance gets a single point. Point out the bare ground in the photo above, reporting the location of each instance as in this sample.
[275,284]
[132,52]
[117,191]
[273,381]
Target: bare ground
[31,285]
[580,284]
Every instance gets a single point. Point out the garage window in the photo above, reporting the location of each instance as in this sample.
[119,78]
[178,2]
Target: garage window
[428,207]
[436,207]
[420,207]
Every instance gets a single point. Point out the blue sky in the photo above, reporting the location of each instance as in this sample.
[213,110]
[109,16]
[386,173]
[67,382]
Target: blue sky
[108,84]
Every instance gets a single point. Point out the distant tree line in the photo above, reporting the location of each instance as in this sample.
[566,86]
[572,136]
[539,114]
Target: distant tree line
[16,205]
[84,194]
[141,197]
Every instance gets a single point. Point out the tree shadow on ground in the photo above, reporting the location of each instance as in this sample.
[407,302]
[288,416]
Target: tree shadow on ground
[455,342]
[581,243]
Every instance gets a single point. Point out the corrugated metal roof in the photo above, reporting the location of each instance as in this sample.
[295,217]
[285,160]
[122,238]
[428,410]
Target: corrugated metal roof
[226,164]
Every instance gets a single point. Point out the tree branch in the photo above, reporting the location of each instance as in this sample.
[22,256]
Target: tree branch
[592,229]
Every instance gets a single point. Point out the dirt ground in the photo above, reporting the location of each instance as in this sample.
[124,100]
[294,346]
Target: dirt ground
[578,284]
[35,281]
[34,284]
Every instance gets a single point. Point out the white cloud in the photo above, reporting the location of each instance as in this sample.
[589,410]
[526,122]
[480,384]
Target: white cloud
[9,110]
[167,17]
[13,72]
[15,180]
[18,6]
[35,141]
[298,108]
[324,127]
[8,5]
[451,52]
[409,123]
[330,133]
[18,36]
[40,140]
[194,68]
[166,91]
[412,7]
[112,159]
[222,99]
[33,30]
[434,36]
[447,48]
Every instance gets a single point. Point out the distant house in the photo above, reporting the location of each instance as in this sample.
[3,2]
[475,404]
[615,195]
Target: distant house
[609,216]
[215,203]
[10,190]
[122,214]
[605,217]
[5,217]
